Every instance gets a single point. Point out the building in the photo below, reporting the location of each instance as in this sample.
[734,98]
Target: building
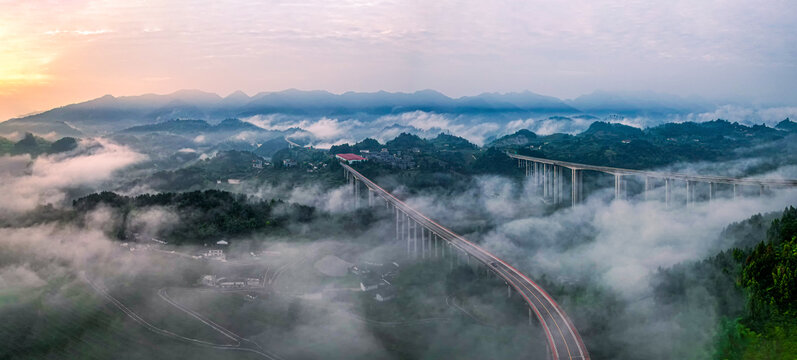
[385,293]
[393,160]
[209,280]
[350,158]
[230,283]
[288,163]
[357,270]
[368,283]
[215,254]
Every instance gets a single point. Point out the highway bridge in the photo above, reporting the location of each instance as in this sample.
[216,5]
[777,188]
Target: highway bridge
[426,239]
[547,174]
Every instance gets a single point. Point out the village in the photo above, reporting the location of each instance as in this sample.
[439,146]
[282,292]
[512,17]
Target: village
[374,279]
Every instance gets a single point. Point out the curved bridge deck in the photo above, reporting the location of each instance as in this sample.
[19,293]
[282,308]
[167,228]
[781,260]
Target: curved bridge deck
[563,338]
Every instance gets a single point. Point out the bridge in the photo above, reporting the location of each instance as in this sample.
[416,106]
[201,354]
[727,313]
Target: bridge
[547,174]
[427,239]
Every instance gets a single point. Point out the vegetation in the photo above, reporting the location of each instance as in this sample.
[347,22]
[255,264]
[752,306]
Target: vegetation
[447,162]
[202,174]
[6,145]
[768,329]
[203,215]
[35,146]
[620,145]
[755,289]
[752,288]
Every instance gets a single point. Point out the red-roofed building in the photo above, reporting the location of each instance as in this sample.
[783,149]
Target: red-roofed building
[350,158]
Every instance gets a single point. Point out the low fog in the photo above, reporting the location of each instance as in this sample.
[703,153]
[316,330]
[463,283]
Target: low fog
[612,246]
[481,129]
[26,183]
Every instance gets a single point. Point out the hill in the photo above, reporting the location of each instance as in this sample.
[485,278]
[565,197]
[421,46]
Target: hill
[111,114]
[34,145]
[787,125]
[270,147]
[610,144]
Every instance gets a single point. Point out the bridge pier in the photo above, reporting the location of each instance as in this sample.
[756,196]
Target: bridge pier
[667,192]
[647,187]
[398,231]
[451,257]
[430,243]
[710,192]
[618,185]
[552,183]
[531,323]
[575,183]
[432,254]
[417,244]
[734,191]
[434,237]
[544,181]
[405,232]
[688,193]
[561,185]
[424,243]
[557,182]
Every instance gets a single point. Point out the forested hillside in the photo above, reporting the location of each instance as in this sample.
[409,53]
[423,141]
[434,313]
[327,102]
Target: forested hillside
[201,216]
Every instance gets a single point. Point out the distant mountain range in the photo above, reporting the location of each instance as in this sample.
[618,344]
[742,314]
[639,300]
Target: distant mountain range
[110,114]
[194,127]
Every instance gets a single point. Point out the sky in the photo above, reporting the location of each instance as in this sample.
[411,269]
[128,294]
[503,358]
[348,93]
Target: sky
[54,53]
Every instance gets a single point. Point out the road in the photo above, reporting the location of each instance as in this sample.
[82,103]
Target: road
[563,338]
[237,341]
[662,175]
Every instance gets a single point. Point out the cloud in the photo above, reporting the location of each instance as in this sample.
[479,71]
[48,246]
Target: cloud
[19,276]
[427,124]
[611,247]
[332,200]
[747,115]
[323,128]
[152,220]
[49,176]
[78,32]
